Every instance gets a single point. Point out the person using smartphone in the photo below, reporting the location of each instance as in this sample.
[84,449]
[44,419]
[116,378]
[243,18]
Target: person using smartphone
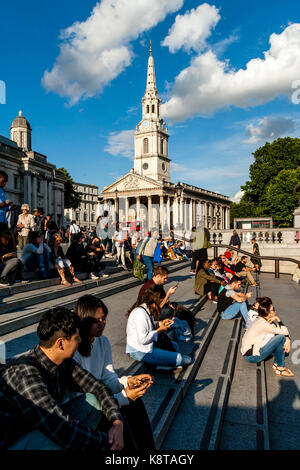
[94,354]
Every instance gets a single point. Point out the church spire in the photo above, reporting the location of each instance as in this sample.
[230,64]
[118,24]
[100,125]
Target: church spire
[151,82]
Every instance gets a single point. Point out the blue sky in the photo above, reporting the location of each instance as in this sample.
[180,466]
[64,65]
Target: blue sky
[224,69]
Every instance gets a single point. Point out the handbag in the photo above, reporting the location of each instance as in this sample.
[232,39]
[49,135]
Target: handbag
[164,342]
[138,270]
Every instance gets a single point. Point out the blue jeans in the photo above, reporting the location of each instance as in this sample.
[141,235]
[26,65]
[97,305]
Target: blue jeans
[234,309]
[84,408]
[149,263]
[158,357]
[40,262]
[274,346]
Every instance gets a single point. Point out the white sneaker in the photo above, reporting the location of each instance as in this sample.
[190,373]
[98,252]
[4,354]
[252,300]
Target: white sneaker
[102,276]
[92,276]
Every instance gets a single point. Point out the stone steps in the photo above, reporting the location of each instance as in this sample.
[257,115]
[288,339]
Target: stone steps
[26,310]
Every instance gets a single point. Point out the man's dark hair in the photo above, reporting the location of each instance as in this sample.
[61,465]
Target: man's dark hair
[160,270]
[4,174]
[105,213]
[243,257]
[253,238]
[32,236]
[235,279]
[77,237]
[55,323]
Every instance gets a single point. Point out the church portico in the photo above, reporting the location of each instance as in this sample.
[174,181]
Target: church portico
[147,195]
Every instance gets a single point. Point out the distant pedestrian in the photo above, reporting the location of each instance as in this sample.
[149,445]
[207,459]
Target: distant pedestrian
[297,236]
[235,240]
[255,251]
[5,204]
[25,225]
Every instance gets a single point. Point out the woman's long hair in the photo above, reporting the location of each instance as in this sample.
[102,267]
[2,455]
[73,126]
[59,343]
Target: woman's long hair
[86,308]
[150,297]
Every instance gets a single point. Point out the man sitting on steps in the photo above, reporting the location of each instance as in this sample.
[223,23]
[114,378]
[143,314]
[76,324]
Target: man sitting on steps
[36,412]
[231,302]
[243,270]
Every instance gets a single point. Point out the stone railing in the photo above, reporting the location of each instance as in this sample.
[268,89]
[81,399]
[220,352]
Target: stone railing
[277,236]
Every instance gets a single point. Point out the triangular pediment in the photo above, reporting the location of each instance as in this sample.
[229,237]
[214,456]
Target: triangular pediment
[131,182]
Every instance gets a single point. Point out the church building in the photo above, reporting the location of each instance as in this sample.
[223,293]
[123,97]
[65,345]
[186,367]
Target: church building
[146,194]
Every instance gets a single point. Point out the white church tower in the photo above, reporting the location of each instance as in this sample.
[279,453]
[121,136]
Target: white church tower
[151,137]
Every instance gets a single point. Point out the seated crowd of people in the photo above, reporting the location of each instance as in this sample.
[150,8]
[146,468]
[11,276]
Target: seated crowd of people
[65,393]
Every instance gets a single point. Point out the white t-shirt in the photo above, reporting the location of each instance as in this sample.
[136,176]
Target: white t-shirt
[100,365]
[119,236]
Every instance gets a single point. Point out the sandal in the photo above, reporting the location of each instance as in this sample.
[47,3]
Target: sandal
[283,372]
[274,367]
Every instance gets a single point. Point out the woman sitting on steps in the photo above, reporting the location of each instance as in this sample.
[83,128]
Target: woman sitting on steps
[267,335]
[60,261]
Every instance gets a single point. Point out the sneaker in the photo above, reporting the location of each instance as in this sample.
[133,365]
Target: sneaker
[4,284]
[186,360]
[92,276]
[103,276]
[124,267]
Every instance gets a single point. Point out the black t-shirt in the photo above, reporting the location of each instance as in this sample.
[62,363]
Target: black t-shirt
[239,267]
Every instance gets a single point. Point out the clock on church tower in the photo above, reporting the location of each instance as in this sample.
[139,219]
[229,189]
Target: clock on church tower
[151,157]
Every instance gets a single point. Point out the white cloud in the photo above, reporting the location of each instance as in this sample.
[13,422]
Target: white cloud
[96,51]
[209,84]
[121,143]
[191,30]
[237,197]
[269,129]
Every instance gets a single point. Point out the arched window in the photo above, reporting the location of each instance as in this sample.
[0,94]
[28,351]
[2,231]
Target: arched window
[153,108]
[162,146]
[147,108]
[145,145]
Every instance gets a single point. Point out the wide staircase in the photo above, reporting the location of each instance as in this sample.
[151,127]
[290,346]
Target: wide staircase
[218,402]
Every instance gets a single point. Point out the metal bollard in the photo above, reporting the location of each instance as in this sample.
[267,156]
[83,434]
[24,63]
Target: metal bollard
[276,268]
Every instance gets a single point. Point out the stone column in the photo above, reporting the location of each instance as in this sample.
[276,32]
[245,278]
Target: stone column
[126,208]
[168,213]
[45,196]
[27,188]
[161,213]
[190,224]
[138,203]
[227,218]
[182,215]
[206,214]
[149,212]
[50,197]
[34,193]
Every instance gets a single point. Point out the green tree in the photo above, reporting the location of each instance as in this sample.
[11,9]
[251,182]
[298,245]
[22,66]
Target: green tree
[279,199]
[273,175]
[72,197]
[269,160]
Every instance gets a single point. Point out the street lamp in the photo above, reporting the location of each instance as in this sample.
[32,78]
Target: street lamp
[117,205]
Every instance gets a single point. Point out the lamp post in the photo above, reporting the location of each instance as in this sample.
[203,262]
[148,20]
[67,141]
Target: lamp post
[218,217]
[117,205]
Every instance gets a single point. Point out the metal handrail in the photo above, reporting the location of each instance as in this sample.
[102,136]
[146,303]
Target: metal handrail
[277,259]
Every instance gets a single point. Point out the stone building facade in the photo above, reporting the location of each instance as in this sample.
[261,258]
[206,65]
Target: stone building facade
[88,211]
[31,178]
[146,194]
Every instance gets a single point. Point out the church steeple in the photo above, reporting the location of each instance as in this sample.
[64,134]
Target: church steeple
[151,82]
[151,136]
[151,101]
